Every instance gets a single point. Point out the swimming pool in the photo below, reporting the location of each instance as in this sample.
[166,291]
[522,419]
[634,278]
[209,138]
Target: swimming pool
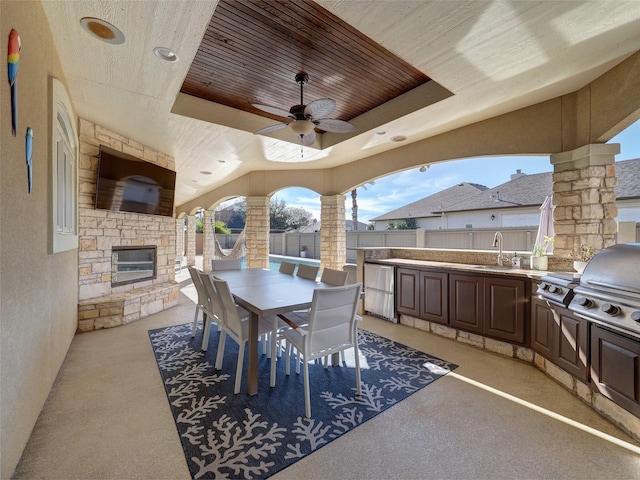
[276,260]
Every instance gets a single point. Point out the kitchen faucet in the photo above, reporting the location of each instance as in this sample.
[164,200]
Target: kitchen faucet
[497,242]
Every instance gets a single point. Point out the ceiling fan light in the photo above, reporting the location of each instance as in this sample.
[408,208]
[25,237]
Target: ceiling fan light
[302,127]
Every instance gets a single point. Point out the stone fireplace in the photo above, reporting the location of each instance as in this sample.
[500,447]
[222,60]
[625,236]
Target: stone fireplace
[132,264]
[125,260]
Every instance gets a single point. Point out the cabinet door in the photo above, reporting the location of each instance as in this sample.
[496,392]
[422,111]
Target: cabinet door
[542,328]
[504,308]
[466,302]
[615,368]
[434,295]
[570,346]
[408,292]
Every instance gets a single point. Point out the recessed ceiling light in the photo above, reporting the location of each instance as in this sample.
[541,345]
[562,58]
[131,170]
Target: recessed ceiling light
[165,54]
[222,161]
[398,138]
[205,172]
[102,30]
[380,132]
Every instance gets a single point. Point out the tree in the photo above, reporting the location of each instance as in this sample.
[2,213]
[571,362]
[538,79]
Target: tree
[219,227]
[299,217]
[354,209]
[233,216]
[406,224]
[281,215]
[354,205]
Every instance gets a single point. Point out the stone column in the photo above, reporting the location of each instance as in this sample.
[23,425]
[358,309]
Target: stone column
[208,239]
[584,197]
[191,240]
[180,238]
[257,232]
[333,234]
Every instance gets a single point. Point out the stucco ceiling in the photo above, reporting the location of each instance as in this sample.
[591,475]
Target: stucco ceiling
[484,58]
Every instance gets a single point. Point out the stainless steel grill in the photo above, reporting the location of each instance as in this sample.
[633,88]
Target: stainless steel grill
[609,289]
[557,288]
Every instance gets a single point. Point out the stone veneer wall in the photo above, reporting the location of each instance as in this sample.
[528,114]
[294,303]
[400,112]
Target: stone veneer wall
[100,230]
[333,235]
[584,182]
[257,227]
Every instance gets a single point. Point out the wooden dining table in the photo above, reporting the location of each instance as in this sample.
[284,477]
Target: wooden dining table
[266,293]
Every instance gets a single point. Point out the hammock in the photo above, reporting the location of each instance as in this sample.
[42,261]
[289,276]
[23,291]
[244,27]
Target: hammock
[237,251]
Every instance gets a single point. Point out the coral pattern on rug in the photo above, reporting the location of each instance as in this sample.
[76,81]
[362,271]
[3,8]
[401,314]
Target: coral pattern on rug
[237,436]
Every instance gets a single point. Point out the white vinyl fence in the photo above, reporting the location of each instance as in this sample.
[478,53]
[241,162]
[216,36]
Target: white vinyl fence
[290,244]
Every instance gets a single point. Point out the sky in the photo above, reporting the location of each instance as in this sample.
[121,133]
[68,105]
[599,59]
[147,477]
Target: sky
[393,191]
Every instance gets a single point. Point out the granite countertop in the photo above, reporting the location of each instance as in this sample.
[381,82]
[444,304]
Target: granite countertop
[492,269]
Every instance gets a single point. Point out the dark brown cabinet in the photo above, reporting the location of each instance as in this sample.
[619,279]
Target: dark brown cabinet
[495,306]
[423,294]
[542,328]
[505,307]
[571,344]
[434,296]
[615,367]
[489,305]
[408,292]
[466,302]
[560,336]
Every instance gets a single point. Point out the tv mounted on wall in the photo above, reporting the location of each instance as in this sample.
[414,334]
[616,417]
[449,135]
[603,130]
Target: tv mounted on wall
[129,184]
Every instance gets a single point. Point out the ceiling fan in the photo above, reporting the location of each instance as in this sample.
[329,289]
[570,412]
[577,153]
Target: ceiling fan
[305,118]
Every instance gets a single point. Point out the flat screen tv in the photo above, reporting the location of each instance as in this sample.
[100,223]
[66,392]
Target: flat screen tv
[129,184]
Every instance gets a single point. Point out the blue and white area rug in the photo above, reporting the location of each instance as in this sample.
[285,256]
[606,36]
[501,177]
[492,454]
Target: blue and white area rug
[238,436]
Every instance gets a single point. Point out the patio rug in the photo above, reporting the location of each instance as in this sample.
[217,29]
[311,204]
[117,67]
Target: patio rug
[238,436]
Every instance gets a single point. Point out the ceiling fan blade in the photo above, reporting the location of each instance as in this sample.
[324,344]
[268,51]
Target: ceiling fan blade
[271,128]
[273,110]
[335,126]
[309,138]
[320,108]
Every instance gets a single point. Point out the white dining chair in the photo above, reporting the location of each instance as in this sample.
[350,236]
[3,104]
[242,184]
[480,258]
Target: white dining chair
[287,267]
[332,327]
[310,272]
[226,264]
[212,312]
[334,277]
[236,326]
[201,303]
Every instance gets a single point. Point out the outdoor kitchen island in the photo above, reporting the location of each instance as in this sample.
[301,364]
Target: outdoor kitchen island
[498,309]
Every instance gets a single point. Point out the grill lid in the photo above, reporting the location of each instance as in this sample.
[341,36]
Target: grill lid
[614,269]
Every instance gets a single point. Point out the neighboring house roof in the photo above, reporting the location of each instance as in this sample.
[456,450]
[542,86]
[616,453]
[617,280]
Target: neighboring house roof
[436,202]
[521,191]
[525,190]
[315,227]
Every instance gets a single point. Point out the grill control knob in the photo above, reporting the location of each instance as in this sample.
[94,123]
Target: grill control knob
[544,286]
[635,315]
[584,302]
[610,309]
[555,290]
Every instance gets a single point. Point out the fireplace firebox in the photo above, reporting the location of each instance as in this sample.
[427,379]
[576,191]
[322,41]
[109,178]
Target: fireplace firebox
[132,264]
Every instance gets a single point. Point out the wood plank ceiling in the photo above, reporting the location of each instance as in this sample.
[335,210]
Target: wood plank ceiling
[252,50]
